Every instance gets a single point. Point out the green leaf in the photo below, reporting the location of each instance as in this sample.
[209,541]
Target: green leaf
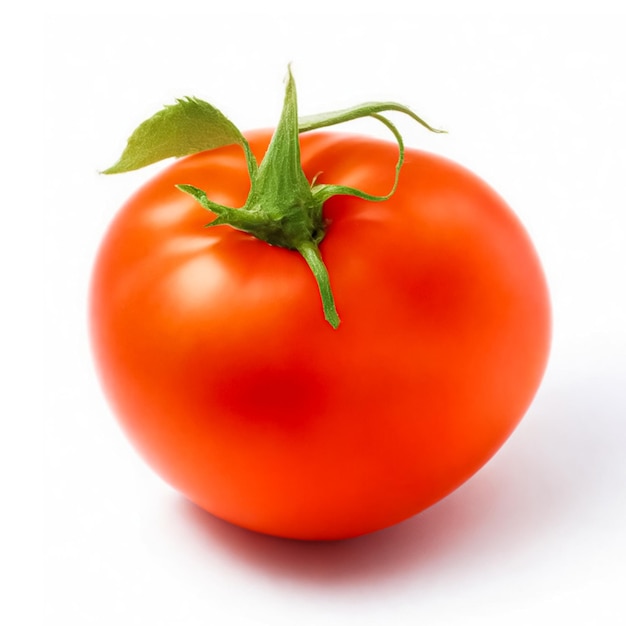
[187,127]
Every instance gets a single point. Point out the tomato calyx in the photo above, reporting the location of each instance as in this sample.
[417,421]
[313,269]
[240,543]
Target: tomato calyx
[283,208]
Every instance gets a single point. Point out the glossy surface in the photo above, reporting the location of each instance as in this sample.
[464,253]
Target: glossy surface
[214,353]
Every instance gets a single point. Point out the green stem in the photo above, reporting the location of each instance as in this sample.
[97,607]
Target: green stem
[313,257]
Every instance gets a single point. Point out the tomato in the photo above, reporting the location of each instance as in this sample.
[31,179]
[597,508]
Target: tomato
[214,352]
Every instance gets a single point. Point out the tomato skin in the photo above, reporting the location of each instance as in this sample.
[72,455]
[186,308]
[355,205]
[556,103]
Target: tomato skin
[214,352]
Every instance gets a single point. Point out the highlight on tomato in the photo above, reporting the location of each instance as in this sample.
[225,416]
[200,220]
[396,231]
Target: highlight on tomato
[308,333]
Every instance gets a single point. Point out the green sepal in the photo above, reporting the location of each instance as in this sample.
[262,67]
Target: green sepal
[326,191]
[203,200]
[322,120]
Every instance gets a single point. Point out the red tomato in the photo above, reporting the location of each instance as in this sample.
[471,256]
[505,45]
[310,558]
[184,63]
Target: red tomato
[214,352]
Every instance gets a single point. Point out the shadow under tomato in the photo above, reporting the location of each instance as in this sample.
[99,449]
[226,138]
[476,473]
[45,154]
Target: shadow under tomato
[558,466]
[428,540]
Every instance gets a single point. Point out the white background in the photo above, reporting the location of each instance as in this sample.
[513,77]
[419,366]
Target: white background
[535,104]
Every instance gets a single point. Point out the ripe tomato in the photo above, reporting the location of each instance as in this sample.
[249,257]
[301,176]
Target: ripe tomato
[214,352]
